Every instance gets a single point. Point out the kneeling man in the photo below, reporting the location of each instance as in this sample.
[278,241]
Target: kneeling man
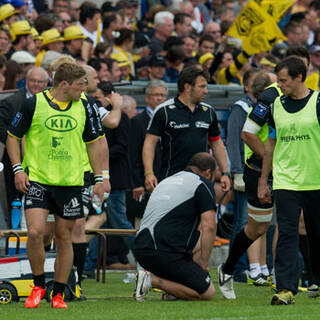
[177,233]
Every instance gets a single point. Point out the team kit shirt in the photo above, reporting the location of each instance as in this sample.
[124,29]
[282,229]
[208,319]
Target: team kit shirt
[58,130]
[183,133]
[257,123]
[295,123]
[173,213]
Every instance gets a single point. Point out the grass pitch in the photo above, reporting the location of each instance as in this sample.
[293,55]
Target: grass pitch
[113,301]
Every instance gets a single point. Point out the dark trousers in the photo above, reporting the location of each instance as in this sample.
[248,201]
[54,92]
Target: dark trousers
[289,204]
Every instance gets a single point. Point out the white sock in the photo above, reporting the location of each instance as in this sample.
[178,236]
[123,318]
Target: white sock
[265,270]
[274,276]
[254,269]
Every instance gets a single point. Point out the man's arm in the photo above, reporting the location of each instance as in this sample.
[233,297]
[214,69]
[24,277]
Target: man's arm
[208,235]
[112,120]
[97,152]
[148,152]
[253,142]
[221,157]
[21,180]
[264,193]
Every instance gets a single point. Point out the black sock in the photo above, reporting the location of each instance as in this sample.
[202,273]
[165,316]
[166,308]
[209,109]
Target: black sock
[39,281]
[304,249]
[58,287]
[79,258]
[240,245]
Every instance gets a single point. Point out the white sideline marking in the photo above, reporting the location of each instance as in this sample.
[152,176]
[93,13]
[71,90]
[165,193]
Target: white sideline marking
[253,317]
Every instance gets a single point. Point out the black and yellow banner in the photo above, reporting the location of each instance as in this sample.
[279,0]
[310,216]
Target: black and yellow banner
[257,28]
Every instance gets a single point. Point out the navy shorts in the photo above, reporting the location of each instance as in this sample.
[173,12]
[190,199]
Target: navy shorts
[177,267]
[66,202]
[251,179]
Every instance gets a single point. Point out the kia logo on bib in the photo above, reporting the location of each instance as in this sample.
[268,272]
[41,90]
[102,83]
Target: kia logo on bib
[61,123]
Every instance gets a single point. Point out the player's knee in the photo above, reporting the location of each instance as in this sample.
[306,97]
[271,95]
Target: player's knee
[209,294]
[35,234]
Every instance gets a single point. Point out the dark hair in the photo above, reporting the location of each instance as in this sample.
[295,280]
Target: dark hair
[175,53]
[68,72]
[101,48]
[108,20]
[203,161]
[43,23]
[124,35]
[19,37]
[291,27]
[13,69]
[189,75]
[106,87]
[260,82]
[294,65]
[109,61]
[299,52]
[172,41]
[247,75]
[206,37]
[87,11]
[180,17]
[96,63]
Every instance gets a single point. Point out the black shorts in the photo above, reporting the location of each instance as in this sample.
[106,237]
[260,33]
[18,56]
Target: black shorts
[251,179]
[176,267]
[66,202]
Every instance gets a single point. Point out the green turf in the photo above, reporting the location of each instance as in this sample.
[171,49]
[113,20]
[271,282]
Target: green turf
[113,300]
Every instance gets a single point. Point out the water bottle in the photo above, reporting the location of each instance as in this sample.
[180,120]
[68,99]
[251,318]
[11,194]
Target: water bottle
[15,213]
[129,277]
[96,203]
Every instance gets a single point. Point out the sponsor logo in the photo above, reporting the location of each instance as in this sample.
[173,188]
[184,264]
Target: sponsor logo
[174,125]
[298,137]
[16,119]
[72,209]
[201,124]
[35,192]
[208,279]
[61,123]
[260,110]
[171,106]
[56,141]
[204,108]
[29,202]
[60,155]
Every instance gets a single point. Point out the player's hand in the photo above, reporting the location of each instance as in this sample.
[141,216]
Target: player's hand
[151,182]
[21,182]
[225,183]
[238,183]
[115,99]
[264,193]
[138,194]
[107,186]
[98,189]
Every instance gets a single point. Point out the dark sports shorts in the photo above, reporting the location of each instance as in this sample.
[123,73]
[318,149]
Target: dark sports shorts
[176,267]
[251,179]
[66,202]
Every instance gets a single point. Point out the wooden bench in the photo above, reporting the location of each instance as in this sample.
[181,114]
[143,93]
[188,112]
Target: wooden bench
[102,234]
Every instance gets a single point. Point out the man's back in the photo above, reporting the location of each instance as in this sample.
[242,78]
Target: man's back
[173,212]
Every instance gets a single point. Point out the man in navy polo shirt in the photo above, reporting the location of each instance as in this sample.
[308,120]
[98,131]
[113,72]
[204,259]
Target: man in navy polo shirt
[186,126]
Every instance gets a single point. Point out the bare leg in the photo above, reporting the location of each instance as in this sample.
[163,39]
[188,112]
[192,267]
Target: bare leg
[64,257]
[94,222]
[180,291]
[36,219]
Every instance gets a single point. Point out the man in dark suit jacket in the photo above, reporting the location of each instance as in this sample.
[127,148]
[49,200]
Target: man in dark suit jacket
[36,81]
[156,93]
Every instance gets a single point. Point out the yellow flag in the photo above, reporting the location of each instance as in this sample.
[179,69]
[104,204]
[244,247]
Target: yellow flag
[98,30]
[276,8]
[257,29]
